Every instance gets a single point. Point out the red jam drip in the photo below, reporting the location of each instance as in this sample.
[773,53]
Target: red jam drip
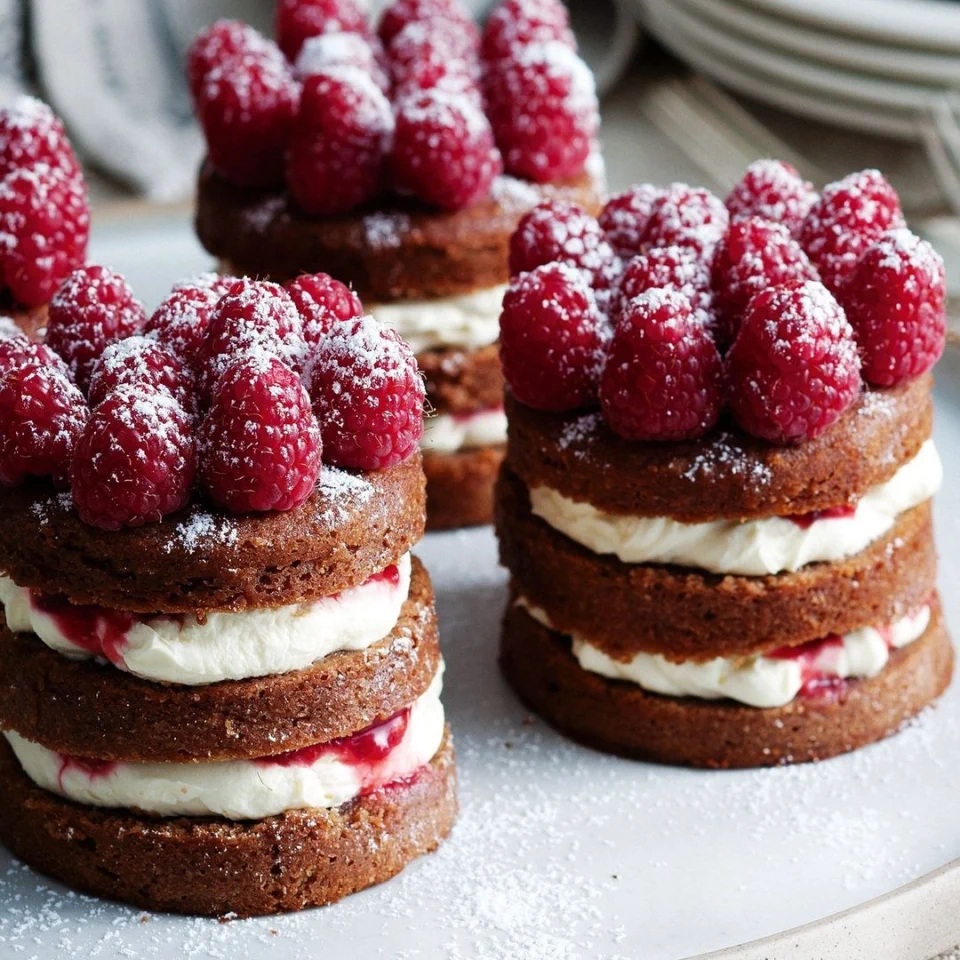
[390,576]
[99,631]
[814,683]
[94,769]
[807,520]
[470,415]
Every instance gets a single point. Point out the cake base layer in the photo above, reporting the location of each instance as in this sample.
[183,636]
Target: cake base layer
[217,867]
[90,709]
[727,474]
[462,381]
[460,487]
[618,717]
[31,320]
[690,614]
[352,526]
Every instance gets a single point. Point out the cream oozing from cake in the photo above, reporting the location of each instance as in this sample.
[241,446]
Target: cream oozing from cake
[321,776]
[448,433]
[771,680]
[750,547]
[467,320]
[221,646]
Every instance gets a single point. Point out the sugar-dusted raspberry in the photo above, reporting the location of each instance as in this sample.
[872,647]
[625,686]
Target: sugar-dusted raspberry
[753,255]
[340,50]
[687,217]
[18,351]
[848,217]
[93,308]
[135,461]
[432,42]
[296,21]
[367,394]
[338,151]
[260,442]
[400,13]
[140,362]
[443,150]
[625,217]
[793,369]
[255,316]
[518,23]
[775,191]
[44,228]
[32,134]
[543,108]
[322,303]
[221,41]
[41,416]
[9,329]
[895,301]
[552,338]
[677,268]
[247,106]
[558,231]
[663,377]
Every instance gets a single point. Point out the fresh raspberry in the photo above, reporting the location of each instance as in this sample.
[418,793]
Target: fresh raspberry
[296,21]
[424,53]
[260,442]
[93,308]
[543,108]
[625,217]
[254,317]
[793,369]
[687,217]
[41,416]
[180,322]
[32,134]
[18,351]
[144,363]
[340,50]
[663,378]
[443,150]
[367,394]
[44,228]
[552,338]
[754,254]
[514,24]
[556,230]
[775,191]
[678,268]
[135,460]
[895,301]
[218,43]
[338,151]
[400,13]
[847,218]
[322,303]
[247,106]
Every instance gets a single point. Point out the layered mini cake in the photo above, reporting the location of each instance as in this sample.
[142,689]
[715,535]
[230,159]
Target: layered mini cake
[399,162]
[715,504]
[220,672]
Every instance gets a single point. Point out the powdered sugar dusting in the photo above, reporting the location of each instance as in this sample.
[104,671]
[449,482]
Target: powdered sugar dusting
[200,531]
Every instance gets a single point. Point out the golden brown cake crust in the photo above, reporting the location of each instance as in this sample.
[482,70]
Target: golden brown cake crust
[399,251]
[689,614]
[726,474]
[351,527]
[460,487]
[619,717]
[95,710]
[462,381]
[214,867]
[31,320]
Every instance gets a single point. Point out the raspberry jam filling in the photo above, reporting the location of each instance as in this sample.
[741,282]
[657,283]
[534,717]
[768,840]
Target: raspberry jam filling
[475,414]
[93,769]
[807,520]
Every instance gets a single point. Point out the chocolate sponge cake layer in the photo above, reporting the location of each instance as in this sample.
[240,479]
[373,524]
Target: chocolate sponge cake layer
[460,487]
[353,526]
[89,709]
[212,866]
[687,614]
[621,718]
[462,381]
[727,474]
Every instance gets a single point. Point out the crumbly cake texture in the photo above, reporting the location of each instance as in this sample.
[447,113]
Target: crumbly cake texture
[462,381]
[460,487]
[89,709]
[621,718]
[214,867]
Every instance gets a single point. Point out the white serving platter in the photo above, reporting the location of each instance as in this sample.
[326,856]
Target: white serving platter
[561,852]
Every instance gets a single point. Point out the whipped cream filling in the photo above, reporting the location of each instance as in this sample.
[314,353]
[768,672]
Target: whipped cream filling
[468,320]
[772,680]
[323,776]
[750,547]
[447,432]
[221,646]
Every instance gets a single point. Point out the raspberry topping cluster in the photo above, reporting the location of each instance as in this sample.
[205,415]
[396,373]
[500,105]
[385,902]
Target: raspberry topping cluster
[424,107]
[44,214]
[674,306]
[233,388]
